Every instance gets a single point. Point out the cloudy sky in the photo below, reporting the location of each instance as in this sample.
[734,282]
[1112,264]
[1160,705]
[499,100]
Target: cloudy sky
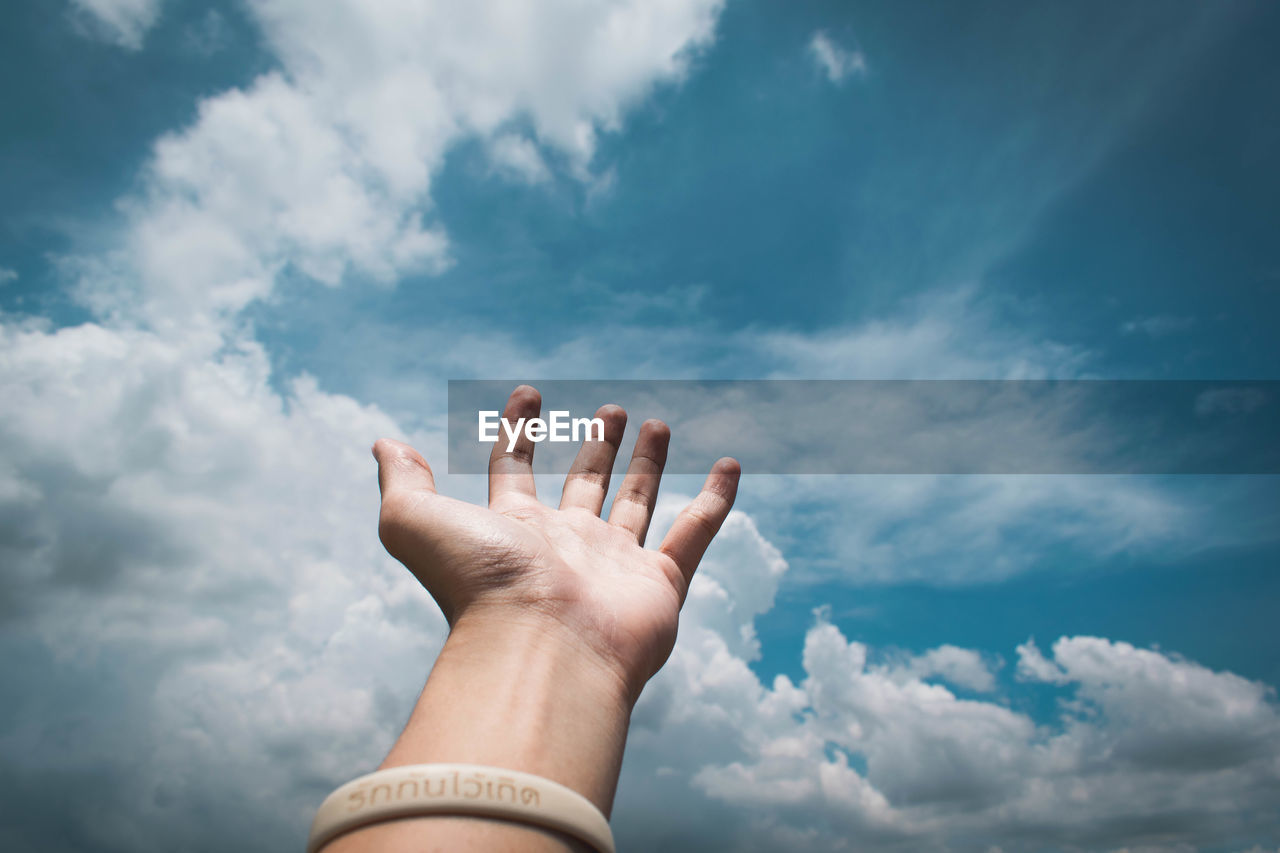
[241,240]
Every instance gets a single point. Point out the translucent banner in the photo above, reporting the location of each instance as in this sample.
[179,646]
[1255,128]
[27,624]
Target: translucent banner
[896,426]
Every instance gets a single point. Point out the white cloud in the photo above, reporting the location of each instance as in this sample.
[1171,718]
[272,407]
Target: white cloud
[179,534]
[974,529]
[178,517]
[947,333]
[7,275]
[518,157]
[1034,666]
[872,758]
[193,576]
[262,182]
[837,62]
[1151,751]
[211,542]
[122,22]
[1164,713]
[961,667]
[874,529]
[325,166]
[570,68]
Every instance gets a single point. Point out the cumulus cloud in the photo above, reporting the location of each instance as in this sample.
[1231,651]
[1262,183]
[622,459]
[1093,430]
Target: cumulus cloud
[270,621]
[195,596]
[180,536]
[1163,713]
[204,542]
[324,167]
[961,667]
[869,757]
[867,752]
[194,586]
[837,62]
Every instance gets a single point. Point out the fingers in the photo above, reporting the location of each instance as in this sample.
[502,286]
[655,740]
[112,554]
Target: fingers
[404,478]
[401,468]
[699,522]
[588,479]
[633,506]
[511,471]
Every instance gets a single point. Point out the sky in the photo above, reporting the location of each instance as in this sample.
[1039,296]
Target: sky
[239,241]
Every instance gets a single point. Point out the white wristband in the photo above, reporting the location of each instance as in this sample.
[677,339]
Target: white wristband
[459,789]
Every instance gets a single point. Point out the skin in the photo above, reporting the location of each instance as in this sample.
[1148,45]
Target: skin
[557,619]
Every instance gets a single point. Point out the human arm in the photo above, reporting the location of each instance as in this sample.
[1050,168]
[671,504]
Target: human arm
[557,619]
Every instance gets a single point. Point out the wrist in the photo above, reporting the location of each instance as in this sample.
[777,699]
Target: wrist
[518,692]
[604,659]
[552,656]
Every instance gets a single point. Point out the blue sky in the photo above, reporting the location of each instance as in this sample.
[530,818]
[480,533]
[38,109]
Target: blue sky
[241,240]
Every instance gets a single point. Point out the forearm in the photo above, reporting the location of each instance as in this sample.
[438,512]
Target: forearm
[515,687]
[520,695]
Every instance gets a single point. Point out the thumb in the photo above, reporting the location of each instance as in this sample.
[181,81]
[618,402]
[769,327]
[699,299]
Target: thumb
[401,468]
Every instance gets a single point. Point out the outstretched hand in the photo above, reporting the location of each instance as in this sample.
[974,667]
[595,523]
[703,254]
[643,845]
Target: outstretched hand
[566,570]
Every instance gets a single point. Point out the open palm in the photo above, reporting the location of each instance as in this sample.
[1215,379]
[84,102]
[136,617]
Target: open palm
[521,560]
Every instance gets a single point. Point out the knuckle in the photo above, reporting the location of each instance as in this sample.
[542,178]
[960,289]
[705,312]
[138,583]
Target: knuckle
[653,462]
[523,455]
[590,476]
[632,494]
[409,462]
[702,520]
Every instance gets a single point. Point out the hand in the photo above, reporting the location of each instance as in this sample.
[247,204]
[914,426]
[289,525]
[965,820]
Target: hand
[565,570]
[557,619]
